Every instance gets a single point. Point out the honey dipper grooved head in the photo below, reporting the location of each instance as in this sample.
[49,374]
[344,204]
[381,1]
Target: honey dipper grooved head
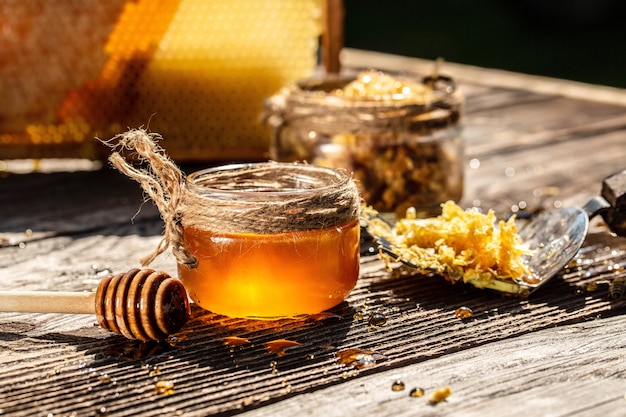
[142,304]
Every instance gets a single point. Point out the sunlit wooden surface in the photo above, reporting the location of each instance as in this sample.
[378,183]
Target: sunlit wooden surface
[530,142]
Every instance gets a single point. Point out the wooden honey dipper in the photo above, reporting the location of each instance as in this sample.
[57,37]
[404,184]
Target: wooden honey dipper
[139,304]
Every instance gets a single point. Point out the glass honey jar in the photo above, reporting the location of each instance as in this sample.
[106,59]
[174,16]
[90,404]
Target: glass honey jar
[399,137]
[270,239]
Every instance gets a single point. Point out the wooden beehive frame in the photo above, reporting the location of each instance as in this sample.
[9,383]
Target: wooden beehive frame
[19,146]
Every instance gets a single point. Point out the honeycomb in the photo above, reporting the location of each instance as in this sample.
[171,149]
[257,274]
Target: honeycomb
[195,71]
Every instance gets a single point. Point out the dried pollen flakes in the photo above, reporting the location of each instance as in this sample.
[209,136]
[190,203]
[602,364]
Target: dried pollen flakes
[440,395]
[164,387]
[463,244]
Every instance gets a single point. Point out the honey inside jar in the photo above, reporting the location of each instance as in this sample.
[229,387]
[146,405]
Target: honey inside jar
[278,275]
[274,240]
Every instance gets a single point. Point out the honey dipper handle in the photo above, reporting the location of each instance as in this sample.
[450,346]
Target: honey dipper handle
[47,302]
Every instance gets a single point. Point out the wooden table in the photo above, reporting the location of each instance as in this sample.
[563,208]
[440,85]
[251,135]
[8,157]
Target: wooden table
[530,142]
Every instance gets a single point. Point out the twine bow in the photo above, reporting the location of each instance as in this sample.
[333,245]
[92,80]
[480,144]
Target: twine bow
[161,180]
[220,202]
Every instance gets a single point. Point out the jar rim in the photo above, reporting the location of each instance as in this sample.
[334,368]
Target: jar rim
[260,180]
[320,88]
[268,198]
[310,104]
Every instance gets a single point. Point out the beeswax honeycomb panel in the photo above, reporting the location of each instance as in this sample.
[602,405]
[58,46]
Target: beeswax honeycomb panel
[195,71]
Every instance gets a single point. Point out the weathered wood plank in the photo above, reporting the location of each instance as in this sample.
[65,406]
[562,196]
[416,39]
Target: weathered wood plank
[572,370]
[491,77]
[66,354]
[77,262]
[569,172]
[65,230]
[37,205]
[507,129]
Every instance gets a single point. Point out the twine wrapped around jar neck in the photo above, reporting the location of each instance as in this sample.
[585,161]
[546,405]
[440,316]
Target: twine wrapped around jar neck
[269,198]
[262,198]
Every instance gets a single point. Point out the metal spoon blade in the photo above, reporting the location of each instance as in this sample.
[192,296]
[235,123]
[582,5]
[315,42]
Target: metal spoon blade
[554,237]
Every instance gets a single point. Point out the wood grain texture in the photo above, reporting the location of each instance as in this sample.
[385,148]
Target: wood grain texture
[47,302]
[332,36]
[573,370]
[492,77]
[71,362]
[556,354]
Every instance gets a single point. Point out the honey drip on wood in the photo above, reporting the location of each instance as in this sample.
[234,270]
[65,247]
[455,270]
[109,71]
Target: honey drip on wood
[280,346]
[358,358]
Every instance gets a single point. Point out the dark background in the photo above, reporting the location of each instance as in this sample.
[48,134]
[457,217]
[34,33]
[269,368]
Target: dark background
[581,40]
